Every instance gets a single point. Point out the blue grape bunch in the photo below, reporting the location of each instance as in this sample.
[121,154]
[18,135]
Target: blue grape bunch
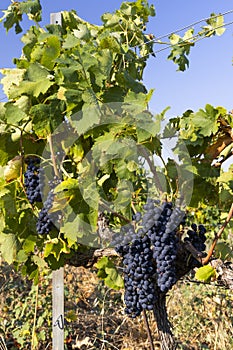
[161,222]
[138,273]
[149,254]
[32,180]
[46,220]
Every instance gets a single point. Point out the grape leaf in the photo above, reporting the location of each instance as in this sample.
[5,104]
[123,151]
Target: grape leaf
[205,273]
[223,251]
[14,114]
[12,170]
[34,88]
[8,247]
[108,272]
[11,79]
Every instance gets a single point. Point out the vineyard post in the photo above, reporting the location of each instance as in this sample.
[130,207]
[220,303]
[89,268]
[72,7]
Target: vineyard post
[57,275]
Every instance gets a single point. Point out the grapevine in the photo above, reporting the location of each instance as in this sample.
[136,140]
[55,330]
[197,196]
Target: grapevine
[81,86]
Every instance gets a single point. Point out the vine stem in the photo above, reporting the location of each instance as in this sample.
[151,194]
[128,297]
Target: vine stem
[148,330]
[122,217]
[153,170]
[218,235]
[34,319]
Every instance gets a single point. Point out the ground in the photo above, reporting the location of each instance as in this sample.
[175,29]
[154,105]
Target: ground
[201,314]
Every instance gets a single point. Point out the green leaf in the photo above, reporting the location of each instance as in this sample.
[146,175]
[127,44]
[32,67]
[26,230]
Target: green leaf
[68,186]
[90,194]
[205,273]
[39,81]
[39,261]
[124,195]
[225,176]
[12,18]
[36,72]
[8,149]
[113,279]
[103,263]
[48,249]
[29,244]
[32,8]
[74,229]
[188,34]
[82,33]
[13,77]
[47,117]
[34,88]
[90,115]
[51,50]
[70,41]
[13,15]
[108,272]
[8,247]
[110,43]
[223,251]
[14,114]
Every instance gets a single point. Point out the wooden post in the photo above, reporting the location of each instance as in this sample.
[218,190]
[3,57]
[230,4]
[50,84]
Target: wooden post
[58,309]
[58,275]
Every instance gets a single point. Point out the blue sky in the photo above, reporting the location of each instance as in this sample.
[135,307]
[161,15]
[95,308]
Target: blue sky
[210,76]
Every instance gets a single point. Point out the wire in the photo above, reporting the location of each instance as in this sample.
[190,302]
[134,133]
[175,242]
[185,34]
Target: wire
[188,42]
[155,40]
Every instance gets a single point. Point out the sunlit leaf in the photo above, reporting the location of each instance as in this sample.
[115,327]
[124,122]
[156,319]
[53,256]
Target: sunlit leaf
[205,273]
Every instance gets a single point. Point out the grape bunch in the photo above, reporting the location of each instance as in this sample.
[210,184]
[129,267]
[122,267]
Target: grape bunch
[164,241]
[149,249]
[32,180]
[46,220]
[138,273]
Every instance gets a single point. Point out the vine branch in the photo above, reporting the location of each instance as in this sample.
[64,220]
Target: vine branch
[218,235]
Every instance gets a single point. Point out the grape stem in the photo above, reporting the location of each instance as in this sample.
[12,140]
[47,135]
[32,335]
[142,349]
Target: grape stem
[193,251]
[122,217]
[205,260]
[148,330]
[168,341]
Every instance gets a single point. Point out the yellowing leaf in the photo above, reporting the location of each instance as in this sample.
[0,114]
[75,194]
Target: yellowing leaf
[71,316]
[12,170]
[67,185]
[188,35]
[205,273]
[61,93]
[174,39]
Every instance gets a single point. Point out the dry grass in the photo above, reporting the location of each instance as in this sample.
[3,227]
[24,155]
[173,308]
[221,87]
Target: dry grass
[201,315]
